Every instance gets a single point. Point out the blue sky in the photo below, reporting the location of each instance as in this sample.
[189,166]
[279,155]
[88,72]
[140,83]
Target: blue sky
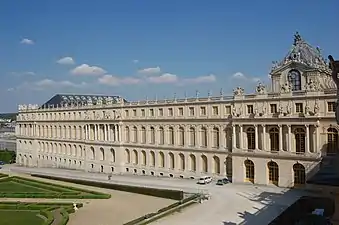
[145,48]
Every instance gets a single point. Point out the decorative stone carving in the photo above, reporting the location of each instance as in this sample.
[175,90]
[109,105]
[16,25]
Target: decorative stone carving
[316,108]
[117,114]
[281,109]
[197,94]
[312,86]
[260,89]
[109,101]
[239,91]
[120,100]
[89,102]
[286,88]
[87,117]
[99,101]
[234,111]
[288,109]
[307,109]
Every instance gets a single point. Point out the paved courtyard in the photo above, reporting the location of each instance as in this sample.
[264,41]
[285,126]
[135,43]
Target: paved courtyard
[229,205]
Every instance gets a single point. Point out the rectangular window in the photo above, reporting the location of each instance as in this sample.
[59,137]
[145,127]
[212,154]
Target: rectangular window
[143,113]
[330,106]
[250,109]
[299,108]
[161,112]
[181,111]
[191,111]
[170,112]
[126,113]
[203,111]
[215,110]
[151,112]
[228,110]
[134,112]
[273,108]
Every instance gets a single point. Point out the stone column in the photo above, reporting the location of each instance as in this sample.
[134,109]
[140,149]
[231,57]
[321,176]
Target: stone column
[241,144]
[120,133]
[289,138]
[264,137]
[256,136]
[280,138]
[234,138]
[317,145]
[105,132]
[116,132]
[109,132]
[307,141]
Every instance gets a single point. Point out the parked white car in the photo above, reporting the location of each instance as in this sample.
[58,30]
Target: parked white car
[205,180]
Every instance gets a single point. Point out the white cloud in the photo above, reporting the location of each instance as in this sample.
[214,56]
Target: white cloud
[135,61]
[202,79]
[48,84]
[150,70]
[86,69]
[66,61]
[27,41]
[111,80]
[164,78]
[239,75]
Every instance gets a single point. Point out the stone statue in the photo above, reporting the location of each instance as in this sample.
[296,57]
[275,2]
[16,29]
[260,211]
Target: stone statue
[334,66]
[288,109]
[260,89]
[234,111]
[316,108]
[89,101]
[286,88]
[221,92]
[239,91]
[281,109]
[197,94]
[307,109]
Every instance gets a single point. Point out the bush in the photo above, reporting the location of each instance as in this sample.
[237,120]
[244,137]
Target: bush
[7,156]
[3,175]
[48,215]
[162,193]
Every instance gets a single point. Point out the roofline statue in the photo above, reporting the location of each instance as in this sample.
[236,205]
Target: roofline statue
[334,66]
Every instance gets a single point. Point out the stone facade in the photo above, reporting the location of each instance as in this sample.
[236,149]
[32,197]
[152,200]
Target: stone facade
[277,135]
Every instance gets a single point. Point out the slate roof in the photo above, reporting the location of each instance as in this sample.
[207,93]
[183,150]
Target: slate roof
[59,100]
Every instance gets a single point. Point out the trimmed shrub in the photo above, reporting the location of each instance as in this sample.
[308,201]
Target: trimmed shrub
[48,215]
[3,175]
[162,193]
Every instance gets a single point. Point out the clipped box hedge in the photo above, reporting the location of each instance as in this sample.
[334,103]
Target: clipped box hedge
[162,193]
[3,175]
[57,191]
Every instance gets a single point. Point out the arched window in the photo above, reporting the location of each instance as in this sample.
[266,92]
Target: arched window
[152,161]
[161,160]
[300,139]
[181,136]
[274,139]
[192,136]
[273,173]
[332,141]
[143,135]
[182,162]
[299,174]
[249,169]
[216,141]
[250,138]
[127,134]
[203,137]
[171,160]
[152,130]
[204,163]
[193,165]
[135,134]
[294,79]
[162,135]
[171,135]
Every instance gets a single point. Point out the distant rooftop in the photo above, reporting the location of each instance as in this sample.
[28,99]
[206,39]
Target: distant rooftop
[60,100]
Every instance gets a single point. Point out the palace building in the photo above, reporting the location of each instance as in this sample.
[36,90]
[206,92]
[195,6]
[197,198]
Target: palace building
[276,135]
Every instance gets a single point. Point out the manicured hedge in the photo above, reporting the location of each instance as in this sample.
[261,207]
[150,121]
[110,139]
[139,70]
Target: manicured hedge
[57,191]
[3,175]
[162,193]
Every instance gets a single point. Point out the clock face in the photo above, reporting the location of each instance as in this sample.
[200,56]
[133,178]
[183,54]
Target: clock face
[293,75]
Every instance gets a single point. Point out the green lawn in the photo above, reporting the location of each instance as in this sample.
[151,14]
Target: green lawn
[15,187]
[11,217]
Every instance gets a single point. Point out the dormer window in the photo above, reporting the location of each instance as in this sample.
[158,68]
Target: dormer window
[294,78]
